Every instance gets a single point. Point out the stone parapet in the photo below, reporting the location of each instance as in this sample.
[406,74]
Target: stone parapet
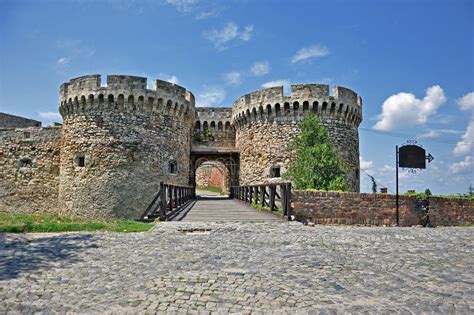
[125,94]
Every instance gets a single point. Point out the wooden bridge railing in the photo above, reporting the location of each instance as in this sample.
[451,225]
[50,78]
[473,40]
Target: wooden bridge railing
[275,196]
[169,200]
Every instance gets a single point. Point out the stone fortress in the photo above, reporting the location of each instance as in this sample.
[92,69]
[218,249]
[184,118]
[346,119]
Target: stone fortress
[119,141]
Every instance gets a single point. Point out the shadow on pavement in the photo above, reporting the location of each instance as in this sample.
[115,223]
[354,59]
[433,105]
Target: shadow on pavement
[20,253]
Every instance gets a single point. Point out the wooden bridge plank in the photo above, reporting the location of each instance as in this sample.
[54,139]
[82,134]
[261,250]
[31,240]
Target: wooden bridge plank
[221,209]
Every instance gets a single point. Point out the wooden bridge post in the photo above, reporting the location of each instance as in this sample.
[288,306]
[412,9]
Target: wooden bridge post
[163,202]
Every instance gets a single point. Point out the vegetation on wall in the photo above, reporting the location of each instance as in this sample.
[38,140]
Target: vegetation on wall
[317,164]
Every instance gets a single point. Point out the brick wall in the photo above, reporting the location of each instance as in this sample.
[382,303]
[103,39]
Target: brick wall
[209,176]
[377,209]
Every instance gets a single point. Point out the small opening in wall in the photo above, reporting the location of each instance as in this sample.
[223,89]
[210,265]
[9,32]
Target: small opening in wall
[172,167]
[27,135]
[275,171]
[81,161]
[26,162]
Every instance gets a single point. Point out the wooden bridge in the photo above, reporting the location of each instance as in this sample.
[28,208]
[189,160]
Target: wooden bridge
[213,208]
[181,203]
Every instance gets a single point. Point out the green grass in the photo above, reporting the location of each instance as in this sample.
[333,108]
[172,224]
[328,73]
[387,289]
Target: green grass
[259,207]
[210,189]
[23,223]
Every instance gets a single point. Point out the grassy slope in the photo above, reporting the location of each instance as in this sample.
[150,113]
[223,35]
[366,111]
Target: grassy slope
[21,223]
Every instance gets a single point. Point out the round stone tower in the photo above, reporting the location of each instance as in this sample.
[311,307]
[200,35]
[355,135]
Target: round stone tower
[119,141]
[266,122]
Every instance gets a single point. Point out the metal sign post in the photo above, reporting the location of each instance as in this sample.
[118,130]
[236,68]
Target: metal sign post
[409,156]
[396,181]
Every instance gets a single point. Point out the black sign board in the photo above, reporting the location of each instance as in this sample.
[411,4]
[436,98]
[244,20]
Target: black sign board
[412,156]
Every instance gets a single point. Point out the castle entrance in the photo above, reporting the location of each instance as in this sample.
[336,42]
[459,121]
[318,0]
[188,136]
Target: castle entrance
[214,171]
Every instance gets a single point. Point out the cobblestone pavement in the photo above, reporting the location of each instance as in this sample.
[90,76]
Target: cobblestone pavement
[240,267]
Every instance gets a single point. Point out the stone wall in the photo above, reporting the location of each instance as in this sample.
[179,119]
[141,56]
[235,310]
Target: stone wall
[119,142]
[267,122]
[377,209]
[217,121]
[11,121]
[29,170]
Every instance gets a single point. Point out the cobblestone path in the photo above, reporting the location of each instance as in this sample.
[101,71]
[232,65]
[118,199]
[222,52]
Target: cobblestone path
[240,267]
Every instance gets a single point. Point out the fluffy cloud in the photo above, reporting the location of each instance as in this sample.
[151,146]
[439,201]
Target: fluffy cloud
[233,78]
[285,83]
[466,102]
[310,52]
[210,96]
[466,145]
[463,166]
[405,110]
[230,32]
[365,165]
[50,116]
[260,68]
[173,79]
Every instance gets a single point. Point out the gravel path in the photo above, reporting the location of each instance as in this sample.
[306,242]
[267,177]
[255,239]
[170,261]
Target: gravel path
[181,267]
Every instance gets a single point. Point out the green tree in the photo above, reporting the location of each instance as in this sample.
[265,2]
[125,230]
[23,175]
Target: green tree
[374,184]
[428,192]
[317,164]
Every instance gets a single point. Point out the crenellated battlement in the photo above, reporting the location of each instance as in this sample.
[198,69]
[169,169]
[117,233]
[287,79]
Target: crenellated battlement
[125,93]
[272,105]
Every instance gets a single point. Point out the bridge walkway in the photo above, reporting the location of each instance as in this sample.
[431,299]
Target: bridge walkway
[215,208]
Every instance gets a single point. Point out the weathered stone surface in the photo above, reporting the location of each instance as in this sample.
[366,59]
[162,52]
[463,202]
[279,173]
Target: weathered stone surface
[119,141]
[128,136]
[241,268]
[12,121]
[267,121]
[29,169]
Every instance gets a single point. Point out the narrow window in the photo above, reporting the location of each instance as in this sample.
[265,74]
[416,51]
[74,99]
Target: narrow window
[172,167]
[27,135]
[81,161]
[275,171]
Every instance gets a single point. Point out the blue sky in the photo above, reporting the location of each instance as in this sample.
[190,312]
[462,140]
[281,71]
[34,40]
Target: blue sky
[411,61]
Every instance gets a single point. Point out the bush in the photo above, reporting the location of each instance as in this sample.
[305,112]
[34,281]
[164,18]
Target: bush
[317,164]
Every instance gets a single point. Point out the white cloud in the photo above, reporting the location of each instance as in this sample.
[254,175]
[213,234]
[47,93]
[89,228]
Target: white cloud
[405,110]
[285,83]
[365,165]
[463,166]
[50,116]
[210,96]
[230,32]
[435,133]
[62,61]
[173,79]
[260,68]
[184,6]
[246,35]
[466,102]
[206,14]
[466,145]
[270,84]
[310,52]
[233,78]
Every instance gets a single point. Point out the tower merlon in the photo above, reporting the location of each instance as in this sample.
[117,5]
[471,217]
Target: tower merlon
[126,82]
[345,95]
[301,91]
